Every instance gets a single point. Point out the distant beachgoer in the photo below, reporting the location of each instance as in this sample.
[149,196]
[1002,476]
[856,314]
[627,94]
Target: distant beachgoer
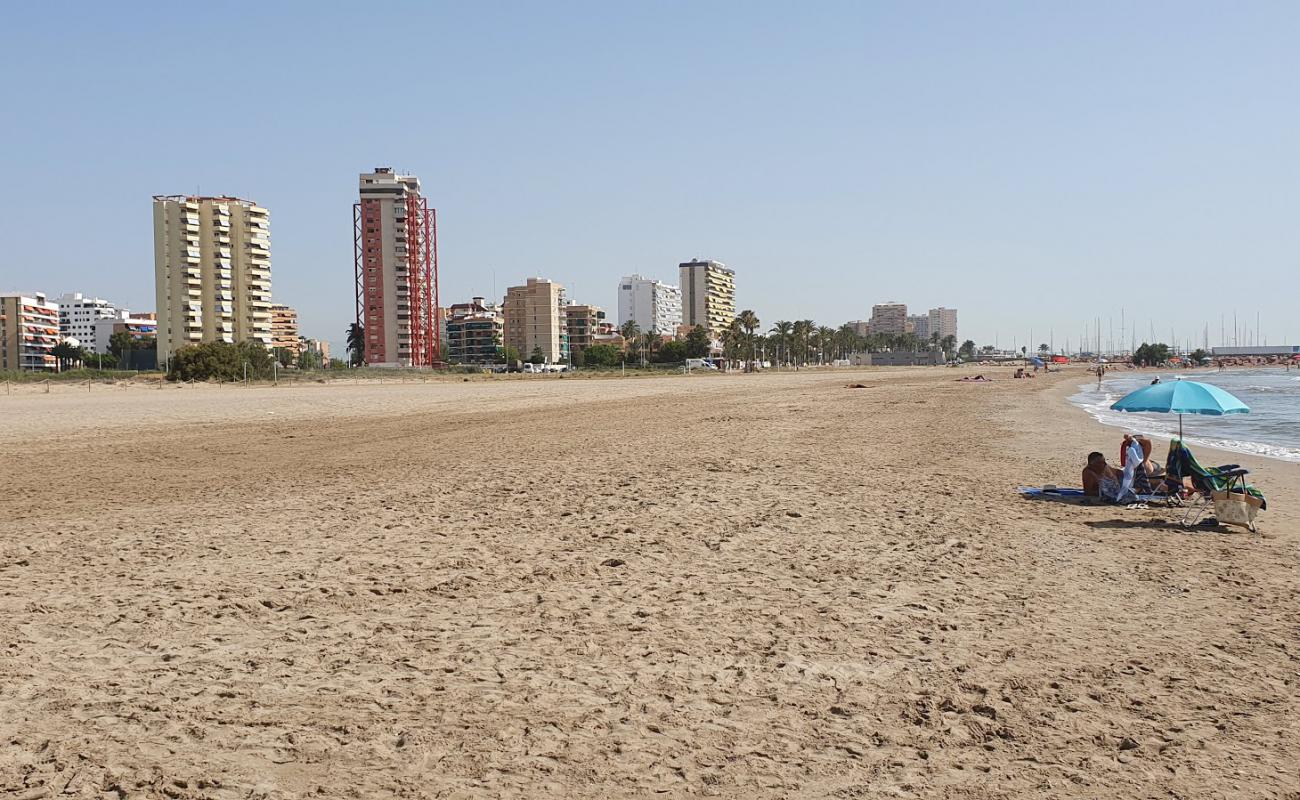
[1155,380]
[1101,370]
[1095,473]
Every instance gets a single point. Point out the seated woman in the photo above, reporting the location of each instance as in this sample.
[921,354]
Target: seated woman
[1147,477]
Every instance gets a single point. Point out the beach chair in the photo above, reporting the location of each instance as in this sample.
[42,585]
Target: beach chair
[1224,487]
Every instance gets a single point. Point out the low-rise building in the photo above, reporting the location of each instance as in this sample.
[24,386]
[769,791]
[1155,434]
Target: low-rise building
[284,328]
[314,347]
[475,332]
[141,328]
[30,332]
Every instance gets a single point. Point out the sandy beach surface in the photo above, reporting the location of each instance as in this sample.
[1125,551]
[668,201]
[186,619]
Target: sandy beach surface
[735,586]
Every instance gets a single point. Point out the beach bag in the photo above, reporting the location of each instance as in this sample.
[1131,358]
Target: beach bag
[1236,508]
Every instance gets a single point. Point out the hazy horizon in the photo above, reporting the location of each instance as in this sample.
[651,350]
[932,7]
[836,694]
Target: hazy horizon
[1034,166]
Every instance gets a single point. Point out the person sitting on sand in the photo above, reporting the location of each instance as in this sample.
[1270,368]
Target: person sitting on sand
[1097,472]
[1147,476]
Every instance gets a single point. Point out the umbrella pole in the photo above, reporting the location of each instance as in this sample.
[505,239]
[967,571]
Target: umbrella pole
[1180,427]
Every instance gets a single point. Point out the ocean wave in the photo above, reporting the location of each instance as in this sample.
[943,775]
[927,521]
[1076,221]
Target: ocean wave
[1166,426]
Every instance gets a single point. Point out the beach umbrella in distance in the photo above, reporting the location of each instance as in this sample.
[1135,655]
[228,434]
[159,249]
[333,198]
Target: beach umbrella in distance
[1181,397]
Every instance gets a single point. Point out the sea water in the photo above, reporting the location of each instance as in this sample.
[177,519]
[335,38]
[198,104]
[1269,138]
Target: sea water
[1272,428]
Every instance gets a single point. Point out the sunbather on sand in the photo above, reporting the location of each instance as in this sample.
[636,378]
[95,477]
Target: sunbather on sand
[1095,473]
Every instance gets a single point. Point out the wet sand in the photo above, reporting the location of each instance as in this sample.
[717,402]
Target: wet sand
[757,586]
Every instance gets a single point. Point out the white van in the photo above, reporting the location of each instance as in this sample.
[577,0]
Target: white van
[699,363]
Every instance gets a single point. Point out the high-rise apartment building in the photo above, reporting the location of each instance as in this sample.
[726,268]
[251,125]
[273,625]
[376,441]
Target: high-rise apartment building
[284,329]
[890,318]
[78,314]
[212,271]
[582,323]
[860,327]
[653,305]
[535,320]
[708,295]
[919,325]
[475,331]
[29,330]
[944,320]
[395,243]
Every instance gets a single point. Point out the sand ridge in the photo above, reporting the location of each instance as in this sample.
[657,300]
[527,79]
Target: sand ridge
[761,585]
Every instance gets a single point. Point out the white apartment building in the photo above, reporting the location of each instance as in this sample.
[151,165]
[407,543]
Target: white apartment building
[212,271]
[944,320]
[653,305]
[78,314]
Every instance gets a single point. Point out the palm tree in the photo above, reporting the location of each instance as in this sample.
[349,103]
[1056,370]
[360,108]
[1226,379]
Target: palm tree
[749,323]
[629,331]
[650,341]
[826,341]
[948,343]
[357,343]
[781,331]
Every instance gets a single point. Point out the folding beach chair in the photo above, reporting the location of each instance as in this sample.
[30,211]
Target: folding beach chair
[1235,501]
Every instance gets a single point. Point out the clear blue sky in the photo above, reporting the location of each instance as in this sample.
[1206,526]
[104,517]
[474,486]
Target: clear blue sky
[1033,164]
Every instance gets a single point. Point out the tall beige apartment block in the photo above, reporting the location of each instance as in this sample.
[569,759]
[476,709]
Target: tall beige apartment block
[889,318]
[535,320]
[708,295]
[944,321]
[212,271]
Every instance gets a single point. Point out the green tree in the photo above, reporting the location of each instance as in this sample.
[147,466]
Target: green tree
[537,357]
[309,359]
[949,343]
[748,324]
[1198,355]
[1151,355]
[356,344]
[602,355]
[220,361]
[509,354]
[826,343]
[967,350]
[284,355]
[67,354]
[781,332]
[121,342]
[697,342]
[1044,348]
[673,352]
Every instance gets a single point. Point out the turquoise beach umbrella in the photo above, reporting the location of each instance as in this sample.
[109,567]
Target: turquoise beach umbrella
[1181,397]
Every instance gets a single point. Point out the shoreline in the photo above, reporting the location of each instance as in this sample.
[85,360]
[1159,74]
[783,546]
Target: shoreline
[1273,452]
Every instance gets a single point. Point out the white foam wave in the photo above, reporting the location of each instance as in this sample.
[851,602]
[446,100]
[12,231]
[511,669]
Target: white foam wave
[1098,406]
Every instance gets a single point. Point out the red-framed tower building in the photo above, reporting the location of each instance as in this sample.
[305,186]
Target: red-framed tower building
[395,245]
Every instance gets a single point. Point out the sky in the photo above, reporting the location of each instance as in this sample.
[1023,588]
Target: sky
[1037,165]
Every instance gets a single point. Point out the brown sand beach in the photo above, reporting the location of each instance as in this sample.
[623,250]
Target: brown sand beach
[732,586]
